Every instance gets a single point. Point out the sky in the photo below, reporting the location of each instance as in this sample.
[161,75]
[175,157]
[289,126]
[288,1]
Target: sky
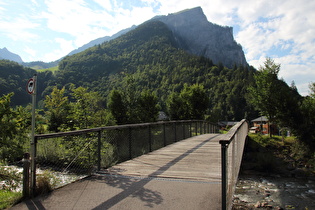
[284,30]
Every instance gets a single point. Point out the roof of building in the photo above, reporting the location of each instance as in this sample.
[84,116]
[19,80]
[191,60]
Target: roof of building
[261,119]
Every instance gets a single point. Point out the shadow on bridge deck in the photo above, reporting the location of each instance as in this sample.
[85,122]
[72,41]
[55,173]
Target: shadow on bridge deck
[183,175]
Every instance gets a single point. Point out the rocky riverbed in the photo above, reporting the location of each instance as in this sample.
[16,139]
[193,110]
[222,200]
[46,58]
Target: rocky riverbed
[263,192]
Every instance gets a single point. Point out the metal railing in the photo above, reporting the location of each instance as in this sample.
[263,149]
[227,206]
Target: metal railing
[83,152]
[232,147]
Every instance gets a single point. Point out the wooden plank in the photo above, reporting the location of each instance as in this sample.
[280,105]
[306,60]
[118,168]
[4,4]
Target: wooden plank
[196,158]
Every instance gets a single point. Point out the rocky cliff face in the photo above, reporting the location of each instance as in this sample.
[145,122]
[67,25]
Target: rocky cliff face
[200,37]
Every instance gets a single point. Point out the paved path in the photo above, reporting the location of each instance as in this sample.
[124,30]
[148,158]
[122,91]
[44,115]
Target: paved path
[184,175]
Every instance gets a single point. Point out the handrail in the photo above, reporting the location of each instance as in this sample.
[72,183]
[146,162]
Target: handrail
[228,137]
[231,159]
[89,130]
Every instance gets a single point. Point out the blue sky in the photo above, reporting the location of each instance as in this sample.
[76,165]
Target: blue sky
[46,30]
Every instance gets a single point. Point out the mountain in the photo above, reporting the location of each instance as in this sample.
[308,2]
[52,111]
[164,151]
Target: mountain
[194,33]
[151,57]
[6,54]
[200,37]
[101,40]
[46,65]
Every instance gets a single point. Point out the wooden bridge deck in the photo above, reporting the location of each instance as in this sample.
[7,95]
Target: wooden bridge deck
[196,158]
[184,175]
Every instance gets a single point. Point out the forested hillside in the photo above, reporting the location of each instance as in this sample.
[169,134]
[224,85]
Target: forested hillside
[148,58]
[13,78]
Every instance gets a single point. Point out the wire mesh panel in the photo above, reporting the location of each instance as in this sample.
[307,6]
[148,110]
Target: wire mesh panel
[157,136]
[186,130]
[169,133]
[140,141]
[65,159]
[114,147]
[73,154]
[120,140]
[179,131]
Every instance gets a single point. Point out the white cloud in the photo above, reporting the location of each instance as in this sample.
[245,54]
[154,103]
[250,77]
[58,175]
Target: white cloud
[19,29]
[124,18]
[62,48]
[30,51]
[85,24]
[65,45]
[106,4]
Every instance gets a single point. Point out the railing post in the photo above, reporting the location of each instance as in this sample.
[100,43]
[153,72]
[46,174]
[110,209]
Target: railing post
[130,144]
[26,175]
[99,147]
[190,130]
[201,127]
[164,134]
[175,132]
[150,140]
[184,130]
[224,172]
[33,167]
[196,129]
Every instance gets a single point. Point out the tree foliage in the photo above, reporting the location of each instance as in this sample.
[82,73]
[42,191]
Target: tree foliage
[191,103]
[264,94]
[57,109]
[133,106]
[282,104]
[13,125]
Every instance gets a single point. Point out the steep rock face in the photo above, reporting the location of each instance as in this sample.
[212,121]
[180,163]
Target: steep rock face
[6,54]
[200,37]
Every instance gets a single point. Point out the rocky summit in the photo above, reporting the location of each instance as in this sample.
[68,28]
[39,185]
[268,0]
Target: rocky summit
[6,54]
[200,37]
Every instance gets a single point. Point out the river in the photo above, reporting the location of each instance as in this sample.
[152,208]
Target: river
[262,192]
[57,178]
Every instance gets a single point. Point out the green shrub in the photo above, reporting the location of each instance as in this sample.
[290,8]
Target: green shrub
[46,182]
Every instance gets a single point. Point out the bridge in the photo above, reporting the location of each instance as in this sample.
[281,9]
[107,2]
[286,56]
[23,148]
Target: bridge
[183,165]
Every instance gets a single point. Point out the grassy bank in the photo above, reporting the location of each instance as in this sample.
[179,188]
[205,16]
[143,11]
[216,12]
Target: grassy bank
[277,155]
[10,179]
[8,198]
